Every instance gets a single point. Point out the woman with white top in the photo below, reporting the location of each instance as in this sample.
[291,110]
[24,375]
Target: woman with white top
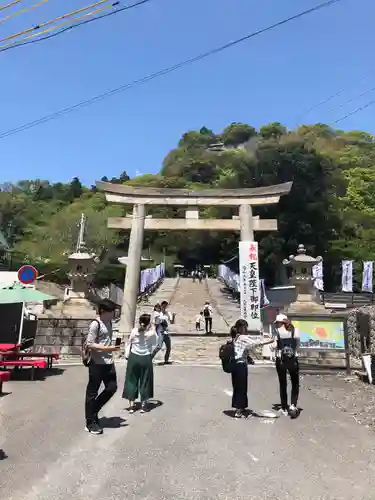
[242,343]
[143,341]
[286,344]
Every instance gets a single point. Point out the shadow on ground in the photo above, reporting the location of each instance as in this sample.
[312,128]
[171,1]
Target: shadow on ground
[251,413]
[25,373]
[152,404]
[112,422]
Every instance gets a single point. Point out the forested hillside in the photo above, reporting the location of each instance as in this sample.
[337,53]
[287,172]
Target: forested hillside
[331,208]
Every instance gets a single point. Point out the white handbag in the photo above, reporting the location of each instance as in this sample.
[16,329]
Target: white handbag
[128,349]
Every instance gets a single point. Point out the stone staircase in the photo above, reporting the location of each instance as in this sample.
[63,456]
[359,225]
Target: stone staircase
[187,301]
[166,292]
[228,307]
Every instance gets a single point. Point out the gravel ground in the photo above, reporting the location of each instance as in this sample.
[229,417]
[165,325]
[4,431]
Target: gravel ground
[349,394]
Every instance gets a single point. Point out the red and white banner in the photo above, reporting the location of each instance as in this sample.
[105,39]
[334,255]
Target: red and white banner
[250,296]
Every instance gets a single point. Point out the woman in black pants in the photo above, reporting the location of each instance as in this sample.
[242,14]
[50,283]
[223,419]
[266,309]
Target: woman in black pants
[242,343]
[286,345]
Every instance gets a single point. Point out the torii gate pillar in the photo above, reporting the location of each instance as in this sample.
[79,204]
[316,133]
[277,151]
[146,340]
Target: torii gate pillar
[133,270]
[246,223]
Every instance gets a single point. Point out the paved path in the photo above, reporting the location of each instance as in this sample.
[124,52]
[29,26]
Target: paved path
[187,448]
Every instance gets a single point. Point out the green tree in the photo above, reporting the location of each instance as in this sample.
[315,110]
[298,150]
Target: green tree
[237,133]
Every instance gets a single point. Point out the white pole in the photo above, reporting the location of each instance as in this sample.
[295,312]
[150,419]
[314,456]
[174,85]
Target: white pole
[21,324]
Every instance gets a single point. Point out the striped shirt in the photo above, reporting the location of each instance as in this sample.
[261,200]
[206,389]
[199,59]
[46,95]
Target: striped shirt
[243,344]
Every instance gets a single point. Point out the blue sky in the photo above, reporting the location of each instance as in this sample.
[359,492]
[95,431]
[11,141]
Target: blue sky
[273,77]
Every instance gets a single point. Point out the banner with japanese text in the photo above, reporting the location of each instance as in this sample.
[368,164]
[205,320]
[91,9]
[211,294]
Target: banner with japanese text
[367,285]
[317,274]
[250,295]
[347,276]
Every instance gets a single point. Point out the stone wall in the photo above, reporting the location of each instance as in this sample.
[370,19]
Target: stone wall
[62,335]
[361,331]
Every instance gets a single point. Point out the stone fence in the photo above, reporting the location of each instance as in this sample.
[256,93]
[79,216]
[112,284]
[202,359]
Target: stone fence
[62,335]
[361,331]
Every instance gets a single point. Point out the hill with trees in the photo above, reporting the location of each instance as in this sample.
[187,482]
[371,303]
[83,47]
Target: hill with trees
[331,208]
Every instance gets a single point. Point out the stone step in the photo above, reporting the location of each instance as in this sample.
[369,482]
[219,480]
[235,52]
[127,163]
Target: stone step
[187,301]
[317,354]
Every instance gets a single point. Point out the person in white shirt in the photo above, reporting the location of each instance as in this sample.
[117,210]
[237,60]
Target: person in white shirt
[139,378]
[207,314]
[162,321]
[198,321]
[242,343]
[286,344]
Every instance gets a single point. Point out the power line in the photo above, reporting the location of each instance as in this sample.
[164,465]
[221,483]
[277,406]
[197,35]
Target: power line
[23,11]
[330,98]
[162,72]
[52,28]
[354,112]
[368,91]
[15,2]
[52,21]
[27,42]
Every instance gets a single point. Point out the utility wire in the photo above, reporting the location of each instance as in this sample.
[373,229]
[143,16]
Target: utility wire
[23,11]
[69,22]
[368,91]
[52,21]
[354,112]
[330,98]
[15,2]
[162,72]
[27,42]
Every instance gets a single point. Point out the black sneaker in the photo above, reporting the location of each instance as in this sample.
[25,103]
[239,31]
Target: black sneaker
[94,428]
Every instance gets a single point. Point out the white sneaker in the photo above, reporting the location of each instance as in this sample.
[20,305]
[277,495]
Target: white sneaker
[293,410]
[283,412]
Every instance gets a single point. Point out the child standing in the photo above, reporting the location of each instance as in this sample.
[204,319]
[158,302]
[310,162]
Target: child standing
[198,321]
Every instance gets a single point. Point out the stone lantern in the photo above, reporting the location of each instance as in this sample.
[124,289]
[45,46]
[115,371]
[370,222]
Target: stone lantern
[82,267]
[303,280]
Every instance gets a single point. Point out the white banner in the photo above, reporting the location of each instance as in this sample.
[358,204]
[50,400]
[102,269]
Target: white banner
[317,273]
[151,276]
[249,284]
[367,277]
[347,276]
[232,281]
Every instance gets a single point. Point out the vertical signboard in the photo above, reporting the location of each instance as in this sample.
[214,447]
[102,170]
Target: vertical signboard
[249,284]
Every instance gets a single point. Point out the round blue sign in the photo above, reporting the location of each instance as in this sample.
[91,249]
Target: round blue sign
[27,274]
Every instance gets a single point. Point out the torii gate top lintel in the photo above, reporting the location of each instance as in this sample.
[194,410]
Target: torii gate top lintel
[119,193]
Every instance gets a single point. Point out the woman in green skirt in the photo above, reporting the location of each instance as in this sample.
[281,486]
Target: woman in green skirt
[139,378]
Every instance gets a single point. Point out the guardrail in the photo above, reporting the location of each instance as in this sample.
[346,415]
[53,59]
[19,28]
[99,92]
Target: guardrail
[143,297]
[351,299]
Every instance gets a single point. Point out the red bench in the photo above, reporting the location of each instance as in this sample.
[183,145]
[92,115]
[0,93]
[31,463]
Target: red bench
[33,363]
[48,355]
[17,355]
[4,377]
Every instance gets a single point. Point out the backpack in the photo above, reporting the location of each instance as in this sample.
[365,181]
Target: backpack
[287,353]
[85,351]
[226,355]
[206,312]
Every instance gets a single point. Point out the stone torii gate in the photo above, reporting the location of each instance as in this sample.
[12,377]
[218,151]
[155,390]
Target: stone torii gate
[139,221]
